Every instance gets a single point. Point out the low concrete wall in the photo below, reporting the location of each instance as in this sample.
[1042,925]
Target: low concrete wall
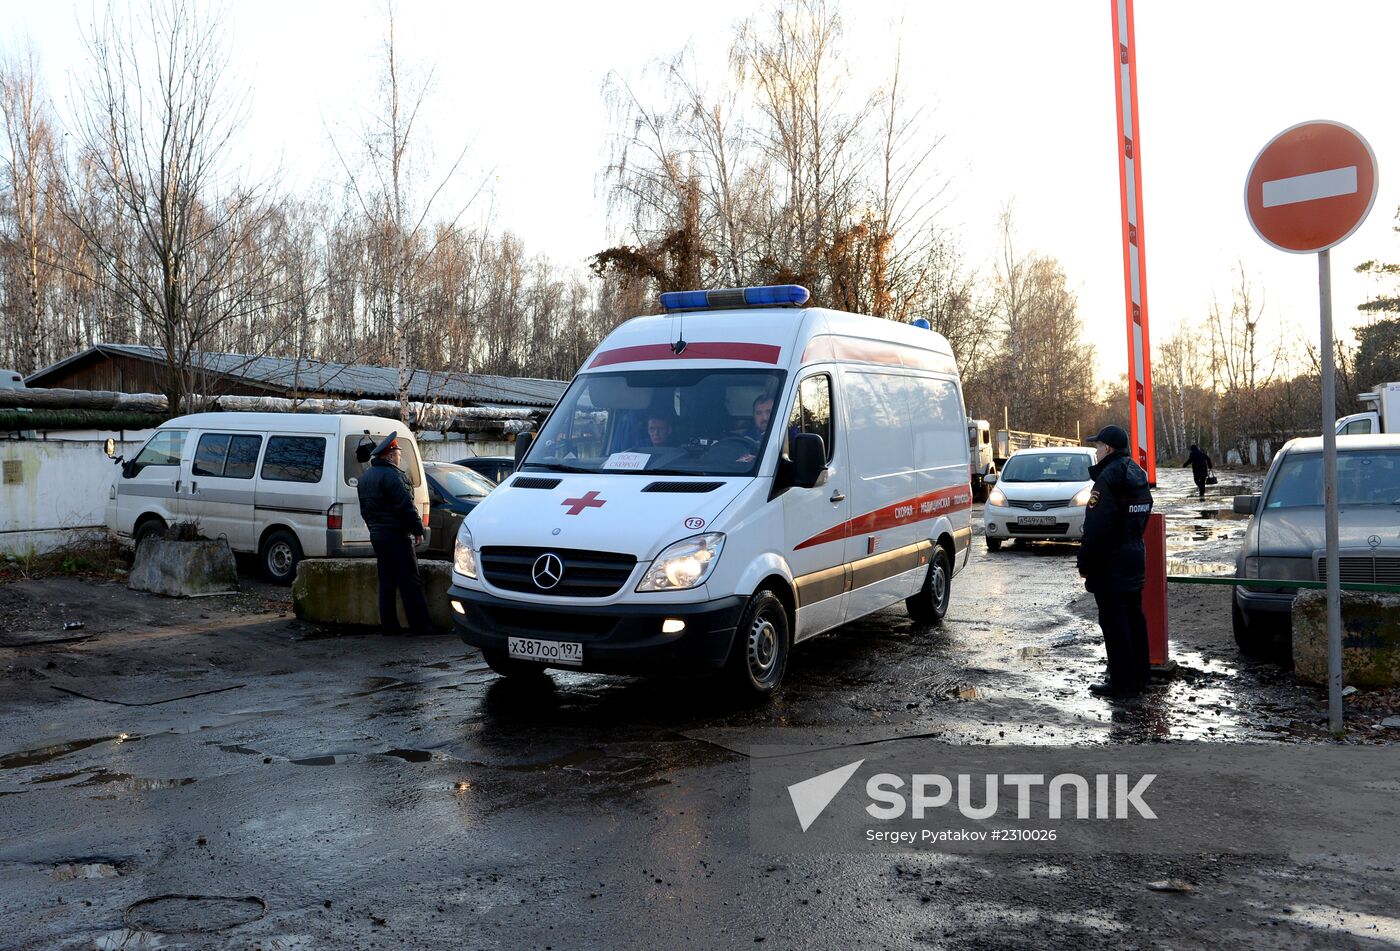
[183,569]
[345,591]
[52,492]
[1370,638]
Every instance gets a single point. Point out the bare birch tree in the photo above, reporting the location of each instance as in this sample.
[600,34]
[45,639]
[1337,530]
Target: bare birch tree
[157,129]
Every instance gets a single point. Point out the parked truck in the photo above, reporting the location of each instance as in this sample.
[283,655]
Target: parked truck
[1007,441]
[979,451]
[1382,415]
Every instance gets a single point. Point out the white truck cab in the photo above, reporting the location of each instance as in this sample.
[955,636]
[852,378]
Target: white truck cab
[718,483]
[1383,417]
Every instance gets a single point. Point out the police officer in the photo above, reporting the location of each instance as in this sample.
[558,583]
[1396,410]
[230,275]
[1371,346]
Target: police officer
[386,504]
[1113,562]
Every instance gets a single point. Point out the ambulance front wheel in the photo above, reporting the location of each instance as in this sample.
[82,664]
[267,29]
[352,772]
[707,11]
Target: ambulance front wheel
[931,603]
[762,641]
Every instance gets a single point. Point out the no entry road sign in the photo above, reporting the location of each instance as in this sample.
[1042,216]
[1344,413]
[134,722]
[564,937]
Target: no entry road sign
[1311,187]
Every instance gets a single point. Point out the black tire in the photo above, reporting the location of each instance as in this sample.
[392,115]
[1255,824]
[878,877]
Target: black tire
[762,641]
[1251,636]
[931,603]
[979,491]
[994,544]
[153,527]
[516,669]
[279,556]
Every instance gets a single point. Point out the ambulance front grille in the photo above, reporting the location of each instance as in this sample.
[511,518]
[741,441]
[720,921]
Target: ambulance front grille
[586,574]
[534,482]
[696,487]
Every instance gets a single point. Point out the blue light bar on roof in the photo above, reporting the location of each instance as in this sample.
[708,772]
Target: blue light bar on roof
[780,295]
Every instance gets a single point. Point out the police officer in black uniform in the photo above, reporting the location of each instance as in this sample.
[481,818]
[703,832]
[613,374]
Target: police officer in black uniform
[386,504]
[1113,562]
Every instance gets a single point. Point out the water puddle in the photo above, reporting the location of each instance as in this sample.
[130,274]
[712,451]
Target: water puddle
[91,868]
[48,753]
[330,759]
[57,777]
[125,782]
[568,760]
[179,914]
[1229,515]
[375,685]
[411,756]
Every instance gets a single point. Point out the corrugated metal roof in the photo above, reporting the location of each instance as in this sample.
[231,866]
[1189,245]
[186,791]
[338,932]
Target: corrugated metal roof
[355,380]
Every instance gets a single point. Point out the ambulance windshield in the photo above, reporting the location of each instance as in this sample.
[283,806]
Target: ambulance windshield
[661,422]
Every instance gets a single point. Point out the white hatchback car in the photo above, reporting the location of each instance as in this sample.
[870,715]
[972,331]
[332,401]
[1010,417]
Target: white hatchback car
[1040,494]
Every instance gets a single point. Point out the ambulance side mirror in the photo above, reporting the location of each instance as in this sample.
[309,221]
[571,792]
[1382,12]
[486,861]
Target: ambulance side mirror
[808,455]
[522,446]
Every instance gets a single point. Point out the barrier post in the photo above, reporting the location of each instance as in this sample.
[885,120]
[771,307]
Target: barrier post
[1154,593]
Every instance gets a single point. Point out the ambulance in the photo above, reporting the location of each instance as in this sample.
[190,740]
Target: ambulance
[719,483]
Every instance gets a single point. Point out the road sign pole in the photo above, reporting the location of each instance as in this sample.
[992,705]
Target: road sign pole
[1329,496]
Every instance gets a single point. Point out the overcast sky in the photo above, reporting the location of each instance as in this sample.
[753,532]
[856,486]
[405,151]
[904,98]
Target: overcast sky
[1022,90]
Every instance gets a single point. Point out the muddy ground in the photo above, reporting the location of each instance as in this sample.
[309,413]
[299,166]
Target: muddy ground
[214,773]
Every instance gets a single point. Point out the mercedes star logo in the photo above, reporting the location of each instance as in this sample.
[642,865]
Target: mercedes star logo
[1037,506]
[1374,541]
[547,571]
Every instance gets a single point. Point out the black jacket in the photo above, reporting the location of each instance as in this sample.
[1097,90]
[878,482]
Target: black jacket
[386,501]
[1112,557]
[1198,461]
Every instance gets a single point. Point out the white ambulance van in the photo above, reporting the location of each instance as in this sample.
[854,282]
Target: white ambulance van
[719,483]
[281,485]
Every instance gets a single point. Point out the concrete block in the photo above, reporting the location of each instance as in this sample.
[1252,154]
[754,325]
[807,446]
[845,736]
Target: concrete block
[183,569]
[346,591]
[1370,638]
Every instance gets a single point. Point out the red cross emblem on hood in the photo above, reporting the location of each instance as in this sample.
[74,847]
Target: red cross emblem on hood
[590,500]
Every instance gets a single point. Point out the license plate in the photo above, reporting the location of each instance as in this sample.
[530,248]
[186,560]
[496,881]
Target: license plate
[1036,520]
[549,652]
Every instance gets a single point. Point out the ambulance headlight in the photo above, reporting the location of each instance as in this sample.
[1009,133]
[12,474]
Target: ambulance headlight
[1082,496]
[463,558]
[686,564]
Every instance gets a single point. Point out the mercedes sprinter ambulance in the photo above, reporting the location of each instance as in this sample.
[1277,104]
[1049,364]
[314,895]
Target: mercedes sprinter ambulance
[721,482]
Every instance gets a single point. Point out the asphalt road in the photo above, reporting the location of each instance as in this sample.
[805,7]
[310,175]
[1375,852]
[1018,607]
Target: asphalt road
[214,773]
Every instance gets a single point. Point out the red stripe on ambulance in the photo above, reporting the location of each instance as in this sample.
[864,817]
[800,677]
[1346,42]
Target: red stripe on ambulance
[744,352]
[918,509]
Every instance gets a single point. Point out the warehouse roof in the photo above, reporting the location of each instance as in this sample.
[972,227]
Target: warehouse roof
[340,379]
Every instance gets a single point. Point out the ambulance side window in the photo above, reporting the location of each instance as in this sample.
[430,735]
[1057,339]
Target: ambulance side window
[811,411]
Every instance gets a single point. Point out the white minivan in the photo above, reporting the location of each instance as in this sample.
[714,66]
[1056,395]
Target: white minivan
[718,483]
[281,485]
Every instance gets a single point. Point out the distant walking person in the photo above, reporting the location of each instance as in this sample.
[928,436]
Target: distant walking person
[1200,467]
[1113,561]
[386,504]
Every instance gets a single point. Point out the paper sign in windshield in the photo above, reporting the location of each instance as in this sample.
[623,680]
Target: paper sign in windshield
[627,461]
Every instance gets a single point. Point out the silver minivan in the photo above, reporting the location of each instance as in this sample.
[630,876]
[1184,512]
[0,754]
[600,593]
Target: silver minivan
[1285,540]
[282,486]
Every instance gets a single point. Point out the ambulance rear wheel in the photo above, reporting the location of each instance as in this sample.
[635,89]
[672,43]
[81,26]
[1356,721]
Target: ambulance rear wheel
[762,641]
[931,603]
